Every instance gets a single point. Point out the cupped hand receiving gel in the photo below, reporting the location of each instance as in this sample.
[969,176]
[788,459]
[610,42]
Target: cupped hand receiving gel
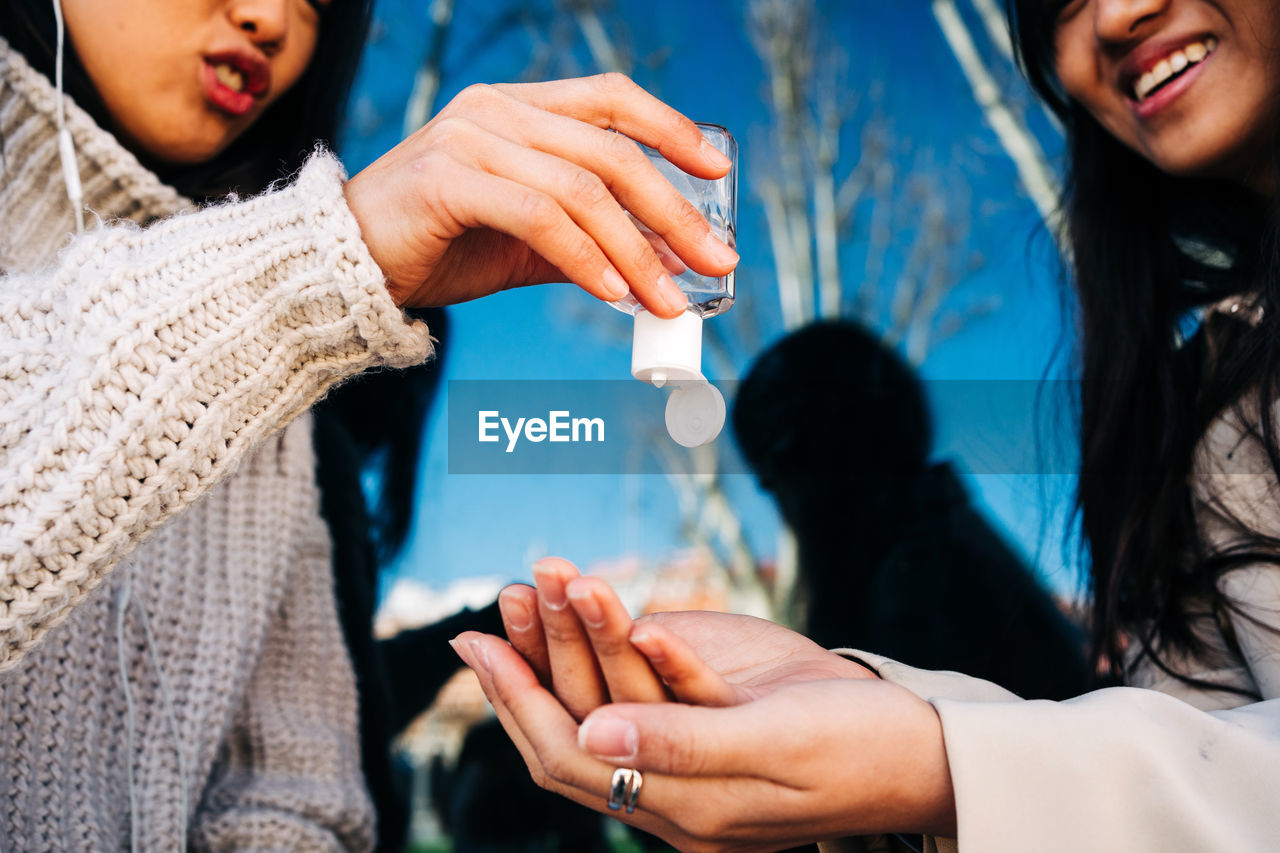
[523,184]
[580,640]
[771,741]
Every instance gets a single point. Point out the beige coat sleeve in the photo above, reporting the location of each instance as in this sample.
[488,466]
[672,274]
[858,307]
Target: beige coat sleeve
[1118,769]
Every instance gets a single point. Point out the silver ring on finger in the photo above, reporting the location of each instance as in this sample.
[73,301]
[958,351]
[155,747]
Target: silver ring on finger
[624,789]
[634,793]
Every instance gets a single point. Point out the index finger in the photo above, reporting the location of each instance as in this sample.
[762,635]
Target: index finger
[615,101]
[575,675]
[608,625]
[518,604]
[686,675]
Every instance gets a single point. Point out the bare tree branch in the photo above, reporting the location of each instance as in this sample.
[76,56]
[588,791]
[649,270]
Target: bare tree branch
[426,84]
[605,52]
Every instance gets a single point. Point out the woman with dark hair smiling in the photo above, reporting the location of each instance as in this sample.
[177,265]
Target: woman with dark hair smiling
[1172,203]
[184,270]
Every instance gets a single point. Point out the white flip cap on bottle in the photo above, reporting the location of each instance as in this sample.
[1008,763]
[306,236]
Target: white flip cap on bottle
[670,351]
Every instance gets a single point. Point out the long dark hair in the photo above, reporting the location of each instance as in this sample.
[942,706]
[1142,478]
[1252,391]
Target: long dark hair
[276,144]
[1147,250]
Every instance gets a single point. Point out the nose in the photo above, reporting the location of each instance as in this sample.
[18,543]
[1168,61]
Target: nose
[266,21]
[1124,20]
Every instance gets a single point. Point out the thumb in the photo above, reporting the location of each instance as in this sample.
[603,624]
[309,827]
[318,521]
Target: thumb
[678,740]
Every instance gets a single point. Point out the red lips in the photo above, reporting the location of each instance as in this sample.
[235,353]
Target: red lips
[255,72]
[1148,55]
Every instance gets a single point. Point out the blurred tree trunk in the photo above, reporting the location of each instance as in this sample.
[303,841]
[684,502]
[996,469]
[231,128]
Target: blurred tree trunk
[426,83]
[816,201]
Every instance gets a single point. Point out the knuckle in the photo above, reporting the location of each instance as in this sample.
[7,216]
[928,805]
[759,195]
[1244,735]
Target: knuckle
[580,710]
[430,162]
[609,645]
[539,776]
[686,216]
[679,126]
[623,152]
[447,130]
[644,258]
[583,254]
[616,83]
[560,631]
[686,754]
[539,209]
[555,770]
[425,169]
[478,93]
[706,829]
[586,187]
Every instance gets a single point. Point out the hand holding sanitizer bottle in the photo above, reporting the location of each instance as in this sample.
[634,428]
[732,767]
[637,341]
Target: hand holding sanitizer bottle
[668,353]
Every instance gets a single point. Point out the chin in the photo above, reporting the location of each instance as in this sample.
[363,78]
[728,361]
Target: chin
[191,146]
[1210,168]
[1184,167]
[1220,150]
[191,152]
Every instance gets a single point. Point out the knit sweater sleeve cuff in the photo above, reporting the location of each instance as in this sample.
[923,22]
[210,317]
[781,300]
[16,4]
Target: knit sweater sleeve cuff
[384,328]
[149,362]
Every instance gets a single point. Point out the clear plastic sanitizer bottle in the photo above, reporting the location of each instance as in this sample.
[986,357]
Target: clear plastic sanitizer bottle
[668,353]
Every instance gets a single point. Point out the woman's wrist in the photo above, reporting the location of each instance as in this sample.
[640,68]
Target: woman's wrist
[934,794]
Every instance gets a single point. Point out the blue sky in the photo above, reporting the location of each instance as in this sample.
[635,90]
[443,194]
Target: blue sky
[700,60]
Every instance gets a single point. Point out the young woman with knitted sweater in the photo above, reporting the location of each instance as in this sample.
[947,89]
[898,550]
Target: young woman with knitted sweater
[1172,115]
[171,668]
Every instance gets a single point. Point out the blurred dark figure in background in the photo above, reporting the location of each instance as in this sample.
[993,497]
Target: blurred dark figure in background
[893,558]
[373,425]
[489,804]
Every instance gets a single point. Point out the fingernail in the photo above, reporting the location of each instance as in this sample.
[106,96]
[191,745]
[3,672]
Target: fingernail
[466,652]
[720,250]
[715,155]
[608,737]
[614,285]
[587,607]
[482,657]
[672,295]
[516,613]
[644,641]
[550,588]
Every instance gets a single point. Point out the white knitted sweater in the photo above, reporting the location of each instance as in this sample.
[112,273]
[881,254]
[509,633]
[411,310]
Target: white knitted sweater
[170,658]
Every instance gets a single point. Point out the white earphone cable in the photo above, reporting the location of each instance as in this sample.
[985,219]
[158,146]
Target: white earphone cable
[66,149]
[131,720]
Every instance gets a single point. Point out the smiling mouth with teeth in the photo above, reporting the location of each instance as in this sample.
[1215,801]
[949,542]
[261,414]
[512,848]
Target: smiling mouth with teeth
[1172,66]
[229,77]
